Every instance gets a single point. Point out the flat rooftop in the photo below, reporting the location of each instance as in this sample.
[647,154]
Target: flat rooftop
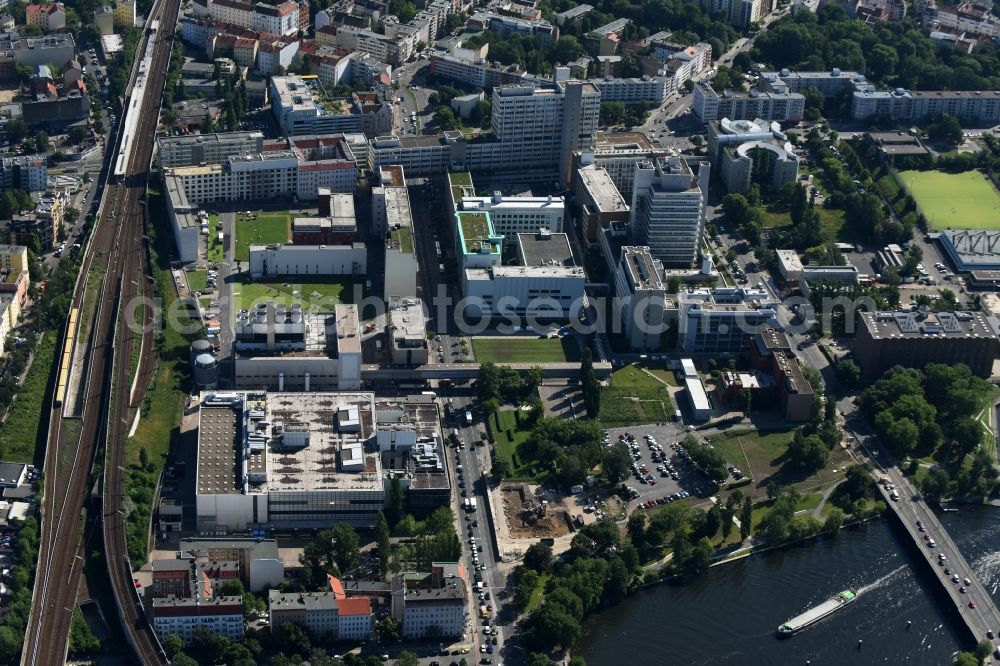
[347,324]
[461,186]
[612,141]
[642,268]
[392,176]
[545,249]
[406,317]
[912,325]
[602,189]
[301,438]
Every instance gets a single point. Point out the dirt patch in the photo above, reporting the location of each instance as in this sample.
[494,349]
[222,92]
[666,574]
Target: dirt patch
[527,517]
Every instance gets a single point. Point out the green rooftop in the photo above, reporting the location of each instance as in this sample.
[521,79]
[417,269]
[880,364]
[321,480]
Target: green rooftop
[476,233]
[404,237]
[460,182]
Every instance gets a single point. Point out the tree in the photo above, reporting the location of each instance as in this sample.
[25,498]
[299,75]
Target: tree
[946,129]
[445,118]
[807,454]
[616,464]
[848,373]
[834,521]
[407,658]
[383,543]
[549,627]
[746,518]
[389,630]
[966,659]
[173,645]
[636,528]
[983,650]
[41,142]
[345,546]
[290,637]
[538,557]
[589,385]
[231,588]
[396,502]
[17,129]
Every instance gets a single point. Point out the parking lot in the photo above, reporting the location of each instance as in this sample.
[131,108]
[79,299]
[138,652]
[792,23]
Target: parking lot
[672,476]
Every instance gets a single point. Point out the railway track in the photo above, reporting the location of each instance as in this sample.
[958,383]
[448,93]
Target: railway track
[117,240]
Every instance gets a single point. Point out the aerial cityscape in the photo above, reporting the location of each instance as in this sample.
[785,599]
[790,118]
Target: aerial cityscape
[513,332]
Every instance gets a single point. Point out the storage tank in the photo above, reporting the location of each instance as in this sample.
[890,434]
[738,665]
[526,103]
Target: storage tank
[199,347]
[206,371]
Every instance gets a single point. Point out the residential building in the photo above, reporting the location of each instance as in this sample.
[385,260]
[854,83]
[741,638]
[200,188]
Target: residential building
[407,332]
[977,105]
[56,49]
[431,605]
[281,18]
[104,19]
[737,147]
[257,559]
[182,151]
[668,209]
[652,89]
[125,14]
[14,284]
[830,83]
[222,616]
[324,614]
[49,16]
[600,202]
[709,105]
[546,285]
[470,67]
[274,56]
[720,321]
[26,172]
[265,460]
[913,339]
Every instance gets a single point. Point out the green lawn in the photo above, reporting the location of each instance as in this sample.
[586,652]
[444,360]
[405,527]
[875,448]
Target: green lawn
[667,376]
[19,434]
[314,296]
[196,280]
[525,350]
[753,451]
[507,435]
[634,397]
[266,228]
[831,220]
[955,201]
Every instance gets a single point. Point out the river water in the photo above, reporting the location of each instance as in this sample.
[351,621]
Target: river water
[729,615]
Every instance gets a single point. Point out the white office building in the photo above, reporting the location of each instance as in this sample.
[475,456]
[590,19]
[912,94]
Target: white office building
[719,321]
[515,215]
[305,260]
[286,460]
[392,218]
[668,209]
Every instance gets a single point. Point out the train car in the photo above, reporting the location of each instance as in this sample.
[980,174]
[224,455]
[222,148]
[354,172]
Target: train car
[66,359]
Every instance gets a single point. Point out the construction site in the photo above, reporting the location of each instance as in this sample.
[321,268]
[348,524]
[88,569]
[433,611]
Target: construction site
[529,516]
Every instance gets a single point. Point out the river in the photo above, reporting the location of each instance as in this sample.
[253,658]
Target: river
[729,615]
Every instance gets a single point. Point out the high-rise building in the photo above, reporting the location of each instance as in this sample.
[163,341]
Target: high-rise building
[668,209]
[642,291]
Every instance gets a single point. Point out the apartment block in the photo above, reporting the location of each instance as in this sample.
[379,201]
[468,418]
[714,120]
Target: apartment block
[668,209]
[709,105]
[222,616]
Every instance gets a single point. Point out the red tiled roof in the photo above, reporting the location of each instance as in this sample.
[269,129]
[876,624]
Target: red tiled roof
[354,606]
[336,587]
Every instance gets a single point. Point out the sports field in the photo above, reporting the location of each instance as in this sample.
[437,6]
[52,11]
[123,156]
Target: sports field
[525,350]
[955,200]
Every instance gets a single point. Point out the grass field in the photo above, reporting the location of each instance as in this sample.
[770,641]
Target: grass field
[267,228]
[525,350]
[831,220]
[215,252]
[754,452]
[314,296]
[196,280]
[20,432]
[507,435]
[634,397]
[955,200]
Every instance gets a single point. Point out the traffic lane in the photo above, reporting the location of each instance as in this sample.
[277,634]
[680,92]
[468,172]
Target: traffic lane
[912,511]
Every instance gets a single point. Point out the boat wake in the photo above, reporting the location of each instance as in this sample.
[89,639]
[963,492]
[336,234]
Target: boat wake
[987,569]
[881,582]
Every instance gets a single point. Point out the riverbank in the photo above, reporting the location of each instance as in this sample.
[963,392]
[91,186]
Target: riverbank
[729,615]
